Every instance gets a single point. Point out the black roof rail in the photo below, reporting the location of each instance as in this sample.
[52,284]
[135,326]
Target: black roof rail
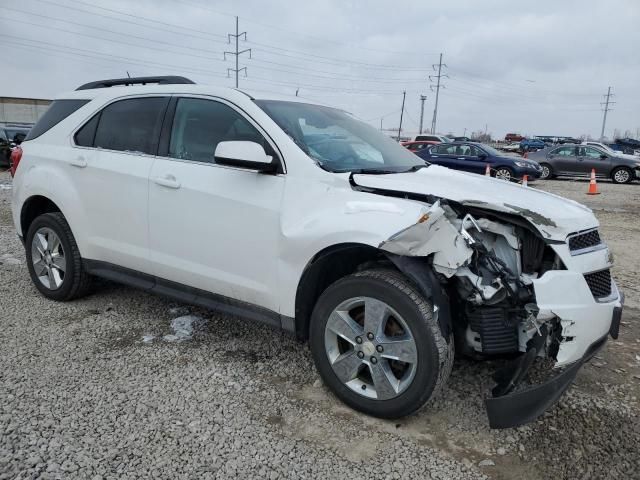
[162,80]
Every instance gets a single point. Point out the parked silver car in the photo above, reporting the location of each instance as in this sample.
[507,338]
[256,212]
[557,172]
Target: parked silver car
[578,161]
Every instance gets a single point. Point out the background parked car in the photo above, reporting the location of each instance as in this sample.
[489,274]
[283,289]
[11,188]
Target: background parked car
[417,146]
[513,137]
[532,144]
[474,157]
[9,138]
[578,160]
[432,138]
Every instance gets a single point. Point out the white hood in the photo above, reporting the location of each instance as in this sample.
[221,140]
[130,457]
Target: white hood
[554,216]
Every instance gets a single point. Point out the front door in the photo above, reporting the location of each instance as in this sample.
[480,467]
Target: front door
[213,227]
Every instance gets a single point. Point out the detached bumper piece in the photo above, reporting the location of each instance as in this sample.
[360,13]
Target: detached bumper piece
[524,406]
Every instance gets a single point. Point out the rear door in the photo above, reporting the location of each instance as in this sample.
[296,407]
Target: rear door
[110,166]
[564,160]
[591,158]
[443,155]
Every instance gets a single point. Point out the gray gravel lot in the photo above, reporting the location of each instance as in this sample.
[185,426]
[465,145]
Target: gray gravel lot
[104,387]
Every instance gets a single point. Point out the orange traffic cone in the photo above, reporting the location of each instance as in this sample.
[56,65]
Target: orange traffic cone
[525,179]
[487,171]
[593,187]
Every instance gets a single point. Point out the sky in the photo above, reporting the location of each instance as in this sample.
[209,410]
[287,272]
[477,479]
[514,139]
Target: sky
[535,68]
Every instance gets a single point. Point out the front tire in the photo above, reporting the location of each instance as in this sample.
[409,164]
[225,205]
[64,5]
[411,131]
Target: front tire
[622,175]
[504,173]
[377,344]
[547,171]
[53,259]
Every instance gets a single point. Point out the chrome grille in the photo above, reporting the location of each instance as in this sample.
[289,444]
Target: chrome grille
[584,240]
[599,283]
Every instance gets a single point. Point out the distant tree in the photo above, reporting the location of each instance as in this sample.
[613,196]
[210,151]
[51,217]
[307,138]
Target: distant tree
[628,134]
[616,134]
[480,136]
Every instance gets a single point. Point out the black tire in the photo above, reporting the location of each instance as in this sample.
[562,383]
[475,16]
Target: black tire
[76,282]
[434,354]
[507,170]
[548,174]
[622,175]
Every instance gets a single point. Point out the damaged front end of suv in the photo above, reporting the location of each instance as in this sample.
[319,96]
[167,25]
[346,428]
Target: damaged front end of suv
[507,282]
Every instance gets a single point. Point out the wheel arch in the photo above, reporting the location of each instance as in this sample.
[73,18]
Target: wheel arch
[340,260]
[32,207]
[326,267]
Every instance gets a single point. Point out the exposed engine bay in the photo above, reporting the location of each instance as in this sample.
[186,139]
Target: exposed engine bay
[490,266]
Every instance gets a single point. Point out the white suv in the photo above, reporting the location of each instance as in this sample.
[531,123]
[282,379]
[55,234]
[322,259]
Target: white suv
[302,217]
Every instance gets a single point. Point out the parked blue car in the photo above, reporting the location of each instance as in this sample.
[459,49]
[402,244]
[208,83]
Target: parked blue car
[532,144]
[474,157]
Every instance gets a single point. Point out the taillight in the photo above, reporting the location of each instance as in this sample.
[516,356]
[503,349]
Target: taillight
[16,156]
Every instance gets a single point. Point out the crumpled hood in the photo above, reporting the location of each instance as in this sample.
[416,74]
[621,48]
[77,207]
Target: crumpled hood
[555,217]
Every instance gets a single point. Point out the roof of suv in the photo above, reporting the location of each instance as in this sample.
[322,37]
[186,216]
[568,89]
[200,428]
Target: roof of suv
[118,91]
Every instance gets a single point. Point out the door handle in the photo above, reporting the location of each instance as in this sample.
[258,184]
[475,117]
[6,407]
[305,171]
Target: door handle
[168,181]
[79,162]
[461,158]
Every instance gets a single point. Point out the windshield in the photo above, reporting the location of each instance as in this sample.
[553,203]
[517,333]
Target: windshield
[339,142]
[491,151]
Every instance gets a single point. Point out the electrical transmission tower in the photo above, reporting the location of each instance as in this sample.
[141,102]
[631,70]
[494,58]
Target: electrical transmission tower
[606,104]
[422,99]
[437,89]
[237,53]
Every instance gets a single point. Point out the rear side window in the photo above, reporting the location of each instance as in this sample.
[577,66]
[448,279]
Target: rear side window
[57,111]
[131,125]
[85,136]
[565,151]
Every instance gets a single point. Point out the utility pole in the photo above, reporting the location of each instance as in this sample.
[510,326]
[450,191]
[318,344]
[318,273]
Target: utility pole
[380,123]
[422,99]
[606,104]
[237,53]
[404,94]
[438,87]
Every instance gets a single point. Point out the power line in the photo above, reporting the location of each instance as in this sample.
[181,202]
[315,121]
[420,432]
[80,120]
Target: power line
[606,104]
[438,87]
[237,52]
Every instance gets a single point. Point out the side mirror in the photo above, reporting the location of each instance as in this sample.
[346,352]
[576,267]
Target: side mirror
[244,154]
[604,157]
[482,155]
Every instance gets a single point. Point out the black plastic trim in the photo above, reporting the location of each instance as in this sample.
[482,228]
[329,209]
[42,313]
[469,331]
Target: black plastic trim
[160,80]
[524,406]
[187,294]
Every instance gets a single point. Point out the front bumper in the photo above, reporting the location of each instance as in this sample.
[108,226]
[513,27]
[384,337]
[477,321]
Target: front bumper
[524,406]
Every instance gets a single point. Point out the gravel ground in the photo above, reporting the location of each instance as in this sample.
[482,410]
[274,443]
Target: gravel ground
[113,386]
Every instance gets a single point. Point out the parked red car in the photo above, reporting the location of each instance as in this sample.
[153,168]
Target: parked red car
[417,146]
[513,137]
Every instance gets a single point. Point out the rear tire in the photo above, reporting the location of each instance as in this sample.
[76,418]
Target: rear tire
[53,259]
[397,368]
[622,175]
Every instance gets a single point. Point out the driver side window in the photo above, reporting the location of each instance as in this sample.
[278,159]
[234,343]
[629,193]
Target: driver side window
[592,152]
[200,124]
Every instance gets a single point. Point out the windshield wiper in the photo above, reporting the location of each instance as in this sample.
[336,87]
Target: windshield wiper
[415,168]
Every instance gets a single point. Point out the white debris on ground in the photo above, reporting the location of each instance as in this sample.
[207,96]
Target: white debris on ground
[184,328]
[179,311]
[148,338]
[5,186]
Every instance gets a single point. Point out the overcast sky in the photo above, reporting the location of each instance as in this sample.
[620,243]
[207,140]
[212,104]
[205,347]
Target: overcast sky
[538,68]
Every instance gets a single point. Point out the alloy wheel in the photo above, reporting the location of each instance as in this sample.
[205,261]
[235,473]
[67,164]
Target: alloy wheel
[621,176]
[545,172]
[371,348]
[48,258]
[503,174]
